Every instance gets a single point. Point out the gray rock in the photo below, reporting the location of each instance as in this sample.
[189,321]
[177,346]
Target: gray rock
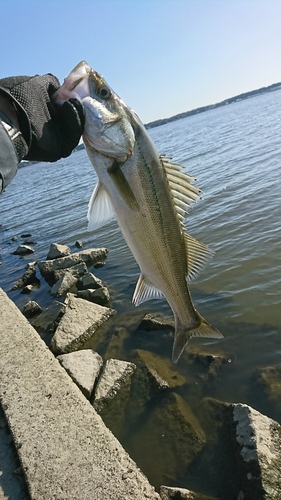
[100,296]
[49,318]
[174,493]
[169,435]
[83,367]
[23,250]
[91,257]
[31,309]
[89,281]
[68,279]
[258,441]
[28,278]
[81,321]
[56,251]
[78,270]
[112,394]
[152,322]
[79,244]
[116,373]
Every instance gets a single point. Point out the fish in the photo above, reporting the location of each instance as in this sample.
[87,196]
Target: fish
[150,196]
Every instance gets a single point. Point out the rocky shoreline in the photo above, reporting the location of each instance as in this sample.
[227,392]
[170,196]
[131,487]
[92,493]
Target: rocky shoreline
[145,392]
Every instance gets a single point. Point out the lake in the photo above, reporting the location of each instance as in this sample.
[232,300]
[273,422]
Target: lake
[235,154]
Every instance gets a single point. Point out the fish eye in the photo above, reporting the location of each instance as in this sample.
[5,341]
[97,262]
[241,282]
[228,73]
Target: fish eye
[105,92]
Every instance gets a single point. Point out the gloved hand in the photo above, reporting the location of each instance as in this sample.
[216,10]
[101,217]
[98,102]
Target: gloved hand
[54,132]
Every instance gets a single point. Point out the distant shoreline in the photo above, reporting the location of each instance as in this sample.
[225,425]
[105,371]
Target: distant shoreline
[240,97]
[162,121]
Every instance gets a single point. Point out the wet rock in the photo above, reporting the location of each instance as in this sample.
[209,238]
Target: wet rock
[169,435]
[49,318]
[14,238]
[31,309]
[89,281]
[82,319]
[27,289]
[258,443]
[174,493]
[208,366]
[78,269]
[268,379]
[91,257]
[28,278]
[79,244]
[116,374]
[68,279]
[23,250]
[100,296]
[112,393]
[56,251]
[83,367]
[152,322]
[165,370]
[25,235]
[118,335]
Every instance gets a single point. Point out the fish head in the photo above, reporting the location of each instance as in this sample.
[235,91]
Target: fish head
[75,85]
[107,124]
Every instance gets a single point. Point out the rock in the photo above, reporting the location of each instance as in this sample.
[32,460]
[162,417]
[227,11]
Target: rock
[174,493]
[112,393]
[49,318]
[83,367]
[118,335]
[90,257]
[268,380]
[79,244]
[27,289]
[67,281]
[28,278]
[100,296]
[14,238]
[23,250]
[89,281]
[56,251]
[152,322]
[78,270]
[82,319]
[165,370]
[116,374]
[258,442]
[31,309]
[169,436]
[25,235]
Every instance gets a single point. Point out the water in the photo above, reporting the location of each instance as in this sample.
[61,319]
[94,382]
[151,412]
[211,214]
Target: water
[235,154]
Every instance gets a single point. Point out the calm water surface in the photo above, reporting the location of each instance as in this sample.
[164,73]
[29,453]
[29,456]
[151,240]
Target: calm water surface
[235,154]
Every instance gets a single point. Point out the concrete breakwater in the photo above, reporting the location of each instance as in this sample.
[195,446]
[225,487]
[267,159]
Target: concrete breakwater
[65,449]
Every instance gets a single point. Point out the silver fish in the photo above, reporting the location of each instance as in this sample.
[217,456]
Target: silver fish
[148,194]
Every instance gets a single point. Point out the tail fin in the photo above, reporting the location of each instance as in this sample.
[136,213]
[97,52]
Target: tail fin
[183,334]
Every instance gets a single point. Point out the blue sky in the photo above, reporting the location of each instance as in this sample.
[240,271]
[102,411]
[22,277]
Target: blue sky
[162,57]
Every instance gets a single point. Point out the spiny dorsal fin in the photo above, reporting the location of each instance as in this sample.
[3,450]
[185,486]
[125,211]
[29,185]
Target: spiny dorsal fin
[183,192]
[145,291]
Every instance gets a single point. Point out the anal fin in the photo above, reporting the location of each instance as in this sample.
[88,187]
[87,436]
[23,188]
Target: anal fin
[145,291]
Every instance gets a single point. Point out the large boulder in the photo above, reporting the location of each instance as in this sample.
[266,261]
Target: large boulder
[258,451]
[83,367]
[56,251]
[68,279]
[82,319]
[48,319]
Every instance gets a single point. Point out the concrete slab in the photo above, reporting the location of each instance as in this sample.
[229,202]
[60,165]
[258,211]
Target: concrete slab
[65,449]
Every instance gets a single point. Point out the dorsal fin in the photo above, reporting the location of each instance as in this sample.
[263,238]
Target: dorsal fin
[184,193]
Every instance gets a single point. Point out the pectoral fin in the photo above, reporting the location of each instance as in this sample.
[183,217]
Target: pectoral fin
[123,187]
[100,210]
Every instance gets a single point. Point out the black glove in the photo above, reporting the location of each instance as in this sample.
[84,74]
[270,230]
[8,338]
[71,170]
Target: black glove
[54,132]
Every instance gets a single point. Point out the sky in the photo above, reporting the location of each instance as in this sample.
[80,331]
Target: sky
[162,57]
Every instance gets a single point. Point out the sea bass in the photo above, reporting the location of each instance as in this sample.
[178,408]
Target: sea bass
[148,194]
